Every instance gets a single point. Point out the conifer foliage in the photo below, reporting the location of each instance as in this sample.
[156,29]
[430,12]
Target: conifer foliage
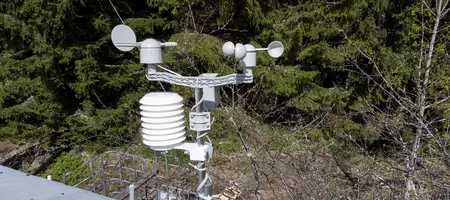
[369,75]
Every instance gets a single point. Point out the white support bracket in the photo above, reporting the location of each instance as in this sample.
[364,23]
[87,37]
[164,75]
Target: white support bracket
[200,121]
[199,82]
[197,152]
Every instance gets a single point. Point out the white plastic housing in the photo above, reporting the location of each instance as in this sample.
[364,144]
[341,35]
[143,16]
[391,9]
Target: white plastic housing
[163,122]
[211,95]
[197,152]
[250,59]
[151,52]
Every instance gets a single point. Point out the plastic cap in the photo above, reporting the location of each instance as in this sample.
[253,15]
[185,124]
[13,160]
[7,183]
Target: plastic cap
[150,43]
[250,48]
[160,98]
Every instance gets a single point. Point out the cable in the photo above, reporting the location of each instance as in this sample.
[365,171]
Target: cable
[212,149]
[197,104]
[168,70]
[205,198]
[116,11]
[161,86]
[205,179]
[196,168]
[212,121]
[202,135]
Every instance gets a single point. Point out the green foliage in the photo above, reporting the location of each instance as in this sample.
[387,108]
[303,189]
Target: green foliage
[64,83]
[68,162]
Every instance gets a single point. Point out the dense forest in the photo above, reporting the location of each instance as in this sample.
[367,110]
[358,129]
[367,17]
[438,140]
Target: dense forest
[356,107]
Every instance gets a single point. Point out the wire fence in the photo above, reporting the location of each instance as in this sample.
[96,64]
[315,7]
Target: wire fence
[111,174]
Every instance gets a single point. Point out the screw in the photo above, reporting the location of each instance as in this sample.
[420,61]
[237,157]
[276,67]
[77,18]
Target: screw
[207,125]
[192,116]
[207,116]
[192,126]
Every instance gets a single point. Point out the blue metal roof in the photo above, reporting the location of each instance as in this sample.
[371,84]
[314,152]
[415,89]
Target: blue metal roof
[18,185]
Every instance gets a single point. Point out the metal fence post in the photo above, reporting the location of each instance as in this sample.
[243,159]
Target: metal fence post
[93,175]
[131,191]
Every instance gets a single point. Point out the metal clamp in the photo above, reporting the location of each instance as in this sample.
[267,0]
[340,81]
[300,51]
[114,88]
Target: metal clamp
[200,121]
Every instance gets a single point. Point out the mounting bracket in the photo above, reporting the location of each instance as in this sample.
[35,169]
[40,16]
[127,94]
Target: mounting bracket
[200,121]
[197,152]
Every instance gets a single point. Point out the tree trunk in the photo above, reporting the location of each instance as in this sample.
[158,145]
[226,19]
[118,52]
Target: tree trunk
[410,166]
[421,104]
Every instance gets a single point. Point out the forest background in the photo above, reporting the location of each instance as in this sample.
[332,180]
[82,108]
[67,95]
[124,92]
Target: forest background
[356,107]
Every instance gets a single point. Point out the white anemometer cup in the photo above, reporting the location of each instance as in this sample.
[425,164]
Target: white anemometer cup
[246,54]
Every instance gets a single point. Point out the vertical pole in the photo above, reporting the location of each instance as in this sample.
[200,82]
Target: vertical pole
[131,191]
[134,169]
[156,159]
[199,109]
[103,175]
[167,165]
[120,168]
[144,166]
[93,174]
[206,190]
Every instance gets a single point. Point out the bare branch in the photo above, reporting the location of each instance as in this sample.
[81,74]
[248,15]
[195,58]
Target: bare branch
[437,103]
[429,9]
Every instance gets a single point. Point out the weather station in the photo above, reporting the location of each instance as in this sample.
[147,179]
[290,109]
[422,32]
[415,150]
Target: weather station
[163,120]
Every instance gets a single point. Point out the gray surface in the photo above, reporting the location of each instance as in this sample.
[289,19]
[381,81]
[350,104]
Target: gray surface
[18,185]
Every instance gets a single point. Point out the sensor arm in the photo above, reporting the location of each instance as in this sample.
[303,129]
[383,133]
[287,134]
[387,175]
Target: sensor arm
[137,44]
[198,82]
[168,44]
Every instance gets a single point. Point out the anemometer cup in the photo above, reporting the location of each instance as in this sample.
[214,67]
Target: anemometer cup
[247,52]
[275,49]
[228,49]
